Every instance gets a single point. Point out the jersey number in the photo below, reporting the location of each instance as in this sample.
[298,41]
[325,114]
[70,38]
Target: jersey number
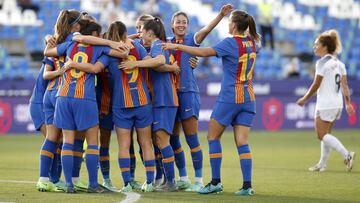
[79,57]
[134,72]
[244,60]
[337,82]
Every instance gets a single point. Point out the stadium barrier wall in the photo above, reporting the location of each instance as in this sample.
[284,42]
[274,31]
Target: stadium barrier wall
[275,105]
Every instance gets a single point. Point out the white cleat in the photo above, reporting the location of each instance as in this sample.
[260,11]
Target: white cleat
[318,168]
[349,162]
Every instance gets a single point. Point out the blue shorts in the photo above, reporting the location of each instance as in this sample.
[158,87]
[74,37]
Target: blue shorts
[75,114]
[128,118]
[164,118]
[49,106]
[234,114]
[37,115]
[106,121]
[189,105]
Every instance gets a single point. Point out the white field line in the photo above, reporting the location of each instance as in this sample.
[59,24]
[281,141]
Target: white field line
[131,197]
[17,181]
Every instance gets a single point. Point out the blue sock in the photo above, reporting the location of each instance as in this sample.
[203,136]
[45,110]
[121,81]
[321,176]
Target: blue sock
[158,161]
[132,161]
[179,155]
[168,162]
[54,172]
[215,153]
[46,157]
[92,161]
[246,164]
[67,160]
[78,157]
[59,165]
[124,164]
[196,153]
[105,162]
[150,168]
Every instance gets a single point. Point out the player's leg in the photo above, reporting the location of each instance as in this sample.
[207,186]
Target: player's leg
[134,184]
[78,159]
[190,127]
[145,141]
[215,152]
[323,124]
[67,157]
[180,162]
[123,137]
[241,133]
[105,137]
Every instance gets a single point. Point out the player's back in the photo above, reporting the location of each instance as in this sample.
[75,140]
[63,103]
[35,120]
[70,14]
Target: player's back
[329,94]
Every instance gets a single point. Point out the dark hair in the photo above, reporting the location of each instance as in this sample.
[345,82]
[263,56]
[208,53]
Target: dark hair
[64,23]
[157,26]
[331,40]
[88,27]
[179,13]
[116,32]
[243,21]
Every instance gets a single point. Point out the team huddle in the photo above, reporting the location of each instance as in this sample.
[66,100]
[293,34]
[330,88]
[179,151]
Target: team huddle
[142,84]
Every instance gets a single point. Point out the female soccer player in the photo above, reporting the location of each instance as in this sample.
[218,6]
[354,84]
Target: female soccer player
[164,96]
[189,98]
[76,108]
[236,102]
[330,83]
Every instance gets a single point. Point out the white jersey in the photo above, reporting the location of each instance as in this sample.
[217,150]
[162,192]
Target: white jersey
[329,95]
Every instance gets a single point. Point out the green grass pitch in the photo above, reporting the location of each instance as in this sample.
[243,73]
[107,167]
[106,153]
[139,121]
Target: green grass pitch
[280,162]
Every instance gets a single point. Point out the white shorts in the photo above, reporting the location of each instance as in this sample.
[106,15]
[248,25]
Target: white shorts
[329,115]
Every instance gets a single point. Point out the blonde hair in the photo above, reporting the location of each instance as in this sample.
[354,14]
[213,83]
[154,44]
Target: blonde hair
[331,40]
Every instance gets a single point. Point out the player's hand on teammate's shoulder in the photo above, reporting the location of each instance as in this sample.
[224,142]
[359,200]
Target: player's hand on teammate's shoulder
[167,46]
[226,9]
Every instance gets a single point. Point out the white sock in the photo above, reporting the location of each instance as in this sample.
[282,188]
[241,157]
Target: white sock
[334,143]
[184,178]
[158,181]
[75,180]
[198,180]
[44,179]
[325,152]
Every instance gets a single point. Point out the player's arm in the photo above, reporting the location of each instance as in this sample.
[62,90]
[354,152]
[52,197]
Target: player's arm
[50,74]
[50,51]
[134,36]
[345,90]
[196,51]
[119,54]
[174,68]
[311,91]
[85,67]
[159,60]
[200,36]
[88,39]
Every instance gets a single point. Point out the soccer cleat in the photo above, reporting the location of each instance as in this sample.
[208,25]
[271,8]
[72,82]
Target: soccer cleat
[69,189]
[127,188]
[349,162]
[168,187]
[210,188]
[157,182]
[317,167]
[80,186]
[135,185]
[60,185]
[195,187]
[147,187]
[243,192]
[45,186]
[183,184]
[108,184]
[98,189]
